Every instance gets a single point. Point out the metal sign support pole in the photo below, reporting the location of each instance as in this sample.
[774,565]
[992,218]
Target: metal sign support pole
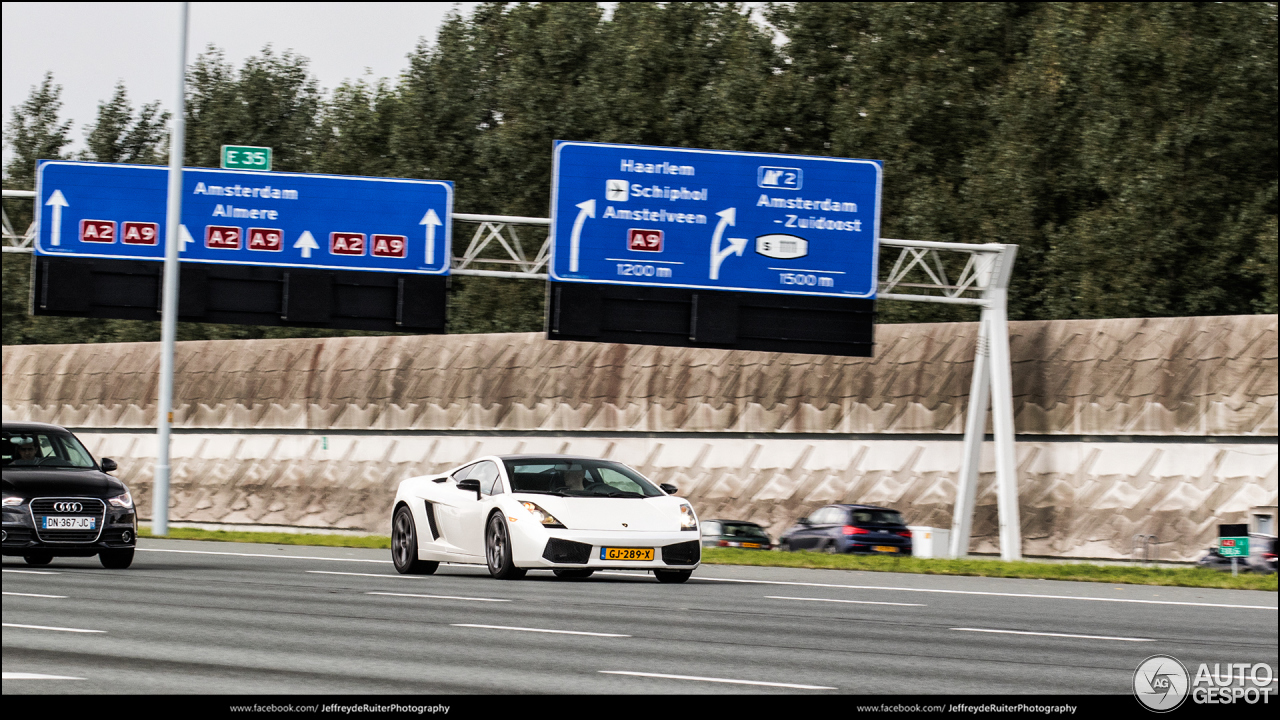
[992,379]
[169,309]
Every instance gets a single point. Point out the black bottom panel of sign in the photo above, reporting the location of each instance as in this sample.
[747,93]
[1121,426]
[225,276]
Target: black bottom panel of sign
[682,317]
[241,295]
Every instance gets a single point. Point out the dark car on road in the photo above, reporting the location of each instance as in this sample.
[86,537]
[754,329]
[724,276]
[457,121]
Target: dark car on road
[60,502]
[850,529]
[735,533]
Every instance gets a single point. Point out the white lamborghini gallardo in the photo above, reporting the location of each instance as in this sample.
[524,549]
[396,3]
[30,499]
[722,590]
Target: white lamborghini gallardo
[571,515]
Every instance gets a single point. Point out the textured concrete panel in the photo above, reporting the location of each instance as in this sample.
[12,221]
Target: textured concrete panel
[1165,376]
[1077,499]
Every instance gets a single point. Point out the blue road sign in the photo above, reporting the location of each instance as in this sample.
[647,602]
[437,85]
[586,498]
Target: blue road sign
[679,217]
[240,217]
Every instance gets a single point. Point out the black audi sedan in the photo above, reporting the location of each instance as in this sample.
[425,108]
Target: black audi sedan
[850,529]
[59,502]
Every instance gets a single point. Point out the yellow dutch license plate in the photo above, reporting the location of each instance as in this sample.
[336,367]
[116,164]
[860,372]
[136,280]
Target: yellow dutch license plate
[638,554]
[885,548]
[751,545]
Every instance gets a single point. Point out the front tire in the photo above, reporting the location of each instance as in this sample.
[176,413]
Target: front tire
[672,576]
[573,574]
[38,558]
[497,550]
[116,559]
[404,546]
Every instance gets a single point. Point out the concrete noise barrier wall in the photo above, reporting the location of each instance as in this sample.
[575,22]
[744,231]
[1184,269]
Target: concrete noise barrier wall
[1155,426]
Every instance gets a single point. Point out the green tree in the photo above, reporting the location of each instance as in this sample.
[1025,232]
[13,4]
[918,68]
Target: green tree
[271,102]
[120,137]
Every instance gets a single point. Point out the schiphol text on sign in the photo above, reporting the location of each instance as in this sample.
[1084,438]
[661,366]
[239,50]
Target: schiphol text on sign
[246,218]
[713,219]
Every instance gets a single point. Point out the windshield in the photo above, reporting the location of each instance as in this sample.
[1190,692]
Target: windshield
[877,517]
[38,448]
[577,478]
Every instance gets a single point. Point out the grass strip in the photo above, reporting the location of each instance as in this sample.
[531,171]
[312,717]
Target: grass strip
[1084,572]
[1120,574]
[275,538]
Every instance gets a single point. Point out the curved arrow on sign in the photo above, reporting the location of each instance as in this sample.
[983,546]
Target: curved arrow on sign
[586,209]
[736,245]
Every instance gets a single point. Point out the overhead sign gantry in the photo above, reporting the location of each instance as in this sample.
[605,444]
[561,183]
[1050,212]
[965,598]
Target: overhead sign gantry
[684,246]
[263,248]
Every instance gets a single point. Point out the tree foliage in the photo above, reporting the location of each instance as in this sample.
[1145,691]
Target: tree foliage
[1128,149]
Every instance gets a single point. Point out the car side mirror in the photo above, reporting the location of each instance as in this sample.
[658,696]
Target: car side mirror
[470,485]
[108,465]
[669,489]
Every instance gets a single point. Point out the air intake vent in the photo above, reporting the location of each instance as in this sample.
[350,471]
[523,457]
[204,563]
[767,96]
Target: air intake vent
[567,551]
[685,553]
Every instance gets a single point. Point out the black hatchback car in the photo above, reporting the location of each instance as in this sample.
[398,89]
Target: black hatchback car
[850,529]
[59,502]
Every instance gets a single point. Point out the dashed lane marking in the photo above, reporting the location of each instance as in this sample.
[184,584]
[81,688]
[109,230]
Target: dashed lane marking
[664,676]
[539,630]
[854,602]
[439,597]
[46,627]
[1061,635]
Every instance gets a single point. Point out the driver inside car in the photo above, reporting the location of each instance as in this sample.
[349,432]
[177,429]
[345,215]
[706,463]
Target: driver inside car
[27,451]
[573,479]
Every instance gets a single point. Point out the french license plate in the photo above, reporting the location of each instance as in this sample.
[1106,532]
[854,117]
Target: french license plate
[639,554]
[885,548]
[751,545]
[69,523]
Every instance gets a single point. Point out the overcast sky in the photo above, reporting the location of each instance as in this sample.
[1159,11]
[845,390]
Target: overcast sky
[89,46]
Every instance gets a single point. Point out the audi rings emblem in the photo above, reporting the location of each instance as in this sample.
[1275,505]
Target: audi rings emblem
[67,507]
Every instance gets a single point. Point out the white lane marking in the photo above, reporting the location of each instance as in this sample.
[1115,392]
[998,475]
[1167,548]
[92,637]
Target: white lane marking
[46,627]
[60,597]
[1064,635]
[538,630]
[262,555]
[718,680]
[381,575]
[36,676]
[855,602]
[1272,608]
[34,572]
[439,597]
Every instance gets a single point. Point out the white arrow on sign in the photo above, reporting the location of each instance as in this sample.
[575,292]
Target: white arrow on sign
[185,235]
[58,202]
[307,243]
[431,220]
[585,210]
[736,245]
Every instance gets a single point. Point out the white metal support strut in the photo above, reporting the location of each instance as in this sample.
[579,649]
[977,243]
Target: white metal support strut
[918,274]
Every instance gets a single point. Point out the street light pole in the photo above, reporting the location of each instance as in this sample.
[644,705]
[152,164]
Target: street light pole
[169,308]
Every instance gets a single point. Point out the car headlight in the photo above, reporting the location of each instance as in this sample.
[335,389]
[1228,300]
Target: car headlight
[12,501]
[544,517]
[688,521]
[122,501]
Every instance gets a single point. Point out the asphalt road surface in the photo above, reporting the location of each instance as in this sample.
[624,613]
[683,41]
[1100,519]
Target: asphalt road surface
[203,617]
